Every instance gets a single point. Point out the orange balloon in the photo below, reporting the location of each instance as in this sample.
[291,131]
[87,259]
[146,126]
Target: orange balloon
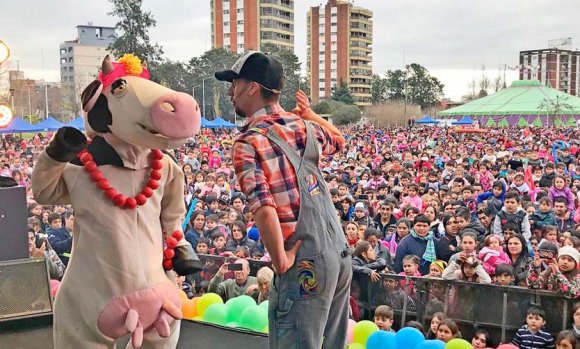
[188,308]
[182,294]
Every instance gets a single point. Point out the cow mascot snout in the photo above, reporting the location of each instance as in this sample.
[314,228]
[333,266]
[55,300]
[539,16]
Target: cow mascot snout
[128,203]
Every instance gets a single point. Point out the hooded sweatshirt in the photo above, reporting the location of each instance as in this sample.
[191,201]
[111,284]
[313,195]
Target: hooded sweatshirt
[565,193]
[494,203]
[520,216]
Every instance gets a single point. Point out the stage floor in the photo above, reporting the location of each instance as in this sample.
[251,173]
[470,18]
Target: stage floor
[36,333]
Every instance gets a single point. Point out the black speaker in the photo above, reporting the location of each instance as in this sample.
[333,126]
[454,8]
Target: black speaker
[13,224]
[24,289]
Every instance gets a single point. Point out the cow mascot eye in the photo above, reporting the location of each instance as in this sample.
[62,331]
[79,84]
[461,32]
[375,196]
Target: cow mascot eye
[119,88]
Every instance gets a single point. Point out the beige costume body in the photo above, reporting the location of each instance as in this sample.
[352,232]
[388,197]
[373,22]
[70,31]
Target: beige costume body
[115,251]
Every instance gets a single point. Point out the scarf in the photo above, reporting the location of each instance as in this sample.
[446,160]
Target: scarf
[429,254]
[393,244]
[352,242]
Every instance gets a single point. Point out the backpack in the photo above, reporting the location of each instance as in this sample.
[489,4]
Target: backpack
[516,218]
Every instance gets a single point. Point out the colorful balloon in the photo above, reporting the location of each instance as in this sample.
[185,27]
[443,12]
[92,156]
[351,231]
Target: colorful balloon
[431,344]
[458,343]
[350,331]
[409,337]
[237,306]
[382,340]
[206,300]
[362,330]
[188,308]
[254,318]
[216,314]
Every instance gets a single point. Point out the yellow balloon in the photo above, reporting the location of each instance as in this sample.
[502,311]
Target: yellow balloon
[182,294]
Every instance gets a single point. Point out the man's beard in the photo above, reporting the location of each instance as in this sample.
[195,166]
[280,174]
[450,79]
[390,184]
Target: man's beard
[239,112]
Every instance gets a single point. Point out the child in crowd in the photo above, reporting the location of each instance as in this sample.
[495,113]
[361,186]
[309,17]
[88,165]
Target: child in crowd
[211,222]
[560,189]
[513,212]
[218,241]
[466,268]
[545,215]
[436,268]
[493,199]
[210,187]
[492,254]
[412,199]
[366,262]
[436,320]
[384,318]
[519,185]
[504,275]
[481,339]
[556,275]
[532,335]
[550,233]
[202,246]
[392,295]
[566,340]
[448,330]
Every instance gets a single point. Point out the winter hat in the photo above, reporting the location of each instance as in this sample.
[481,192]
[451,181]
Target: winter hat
[548,246]
[570,252]
[359,206]
[440,264]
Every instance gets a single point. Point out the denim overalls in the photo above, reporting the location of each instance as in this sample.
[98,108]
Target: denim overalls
[309,303]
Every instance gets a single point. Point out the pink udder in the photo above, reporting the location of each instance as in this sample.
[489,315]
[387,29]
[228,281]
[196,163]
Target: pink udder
[149,307]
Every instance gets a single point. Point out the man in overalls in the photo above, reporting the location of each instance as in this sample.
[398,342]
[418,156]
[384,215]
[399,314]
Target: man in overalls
[276,162]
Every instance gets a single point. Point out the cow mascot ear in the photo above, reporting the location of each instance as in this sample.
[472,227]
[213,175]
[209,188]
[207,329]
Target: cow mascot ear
[95,103]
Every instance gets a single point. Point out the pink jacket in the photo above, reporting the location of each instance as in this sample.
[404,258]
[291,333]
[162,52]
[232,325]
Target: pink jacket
[492,258]
[416,201]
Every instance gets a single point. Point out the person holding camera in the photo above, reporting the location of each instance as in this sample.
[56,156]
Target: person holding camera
[467,268]
[556,274]
[237,286]
[38,247]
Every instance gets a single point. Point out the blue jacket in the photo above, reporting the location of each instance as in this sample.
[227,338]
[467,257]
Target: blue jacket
[61,241]
[494,203]
[410,245]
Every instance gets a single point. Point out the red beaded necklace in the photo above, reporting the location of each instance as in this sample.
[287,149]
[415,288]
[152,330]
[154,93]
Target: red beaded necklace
[119,199]
[140,199]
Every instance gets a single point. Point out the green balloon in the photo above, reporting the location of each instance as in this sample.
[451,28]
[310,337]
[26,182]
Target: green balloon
[254,318]
[216,314]
[233,324]
[237,306]
[458,343]
[264,330]
[356,346]
[264,304]
[206,300]
[362,330]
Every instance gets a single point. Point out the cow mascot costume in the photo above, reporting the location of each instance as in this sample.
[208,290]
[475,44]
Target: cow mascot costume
[128,202]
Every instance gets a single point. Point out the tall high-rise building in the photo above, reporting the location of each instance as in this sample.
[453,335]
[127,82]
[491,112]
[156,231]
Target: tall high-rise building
[242,25]
[554,67]
[340,37]
[80,59]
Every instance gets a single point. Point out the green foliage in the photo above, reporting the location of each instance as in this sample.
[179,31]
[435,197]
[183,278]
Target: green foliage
[346,114]
[341,93]
[415,85]
[293,80]
[201,70]
[322,108]
[173,74]
[378,89]
[133,25]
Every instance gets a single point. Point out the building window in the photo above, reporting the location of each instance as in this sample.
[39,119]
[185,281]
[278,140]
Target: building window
[241,22]
[62,51]
[226,24]
[240,10]
[63,61]
[98,32]
[241,34]
[226,12]
[226,35]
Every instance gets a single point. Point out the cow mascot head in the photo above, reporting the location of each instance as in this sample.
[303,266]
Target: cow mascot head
[128,203]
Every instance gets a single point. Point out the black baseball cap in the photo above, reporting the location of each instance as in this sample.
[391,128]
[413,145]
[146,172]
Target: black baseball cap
[258,67]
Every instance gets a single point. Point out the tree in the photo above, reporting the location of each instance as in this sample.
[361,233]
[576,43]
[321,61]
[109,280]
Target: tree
[498,82]
[293,80]
[484,83]
[134,25]
[414,85]
[341,93]
[378,89]
[173,74]
[471,92]
[346,114]
[201,70]
[555,106]
[322,108]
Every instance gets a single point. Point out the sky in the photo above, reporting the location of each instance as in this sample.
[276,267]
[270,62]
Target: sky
[451,38]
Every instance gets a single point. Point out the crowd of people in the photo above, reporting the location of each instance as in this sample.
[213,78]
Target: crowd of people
[495,208]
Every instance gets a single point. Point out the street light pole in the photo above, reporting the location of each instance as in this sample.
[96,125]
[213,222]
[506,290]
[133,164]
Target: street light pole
[203,96]
[45,101]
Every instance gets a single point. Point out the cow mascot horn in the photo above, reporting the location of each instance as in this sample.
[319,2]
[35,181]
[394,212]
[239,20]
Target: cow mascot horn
[127,196]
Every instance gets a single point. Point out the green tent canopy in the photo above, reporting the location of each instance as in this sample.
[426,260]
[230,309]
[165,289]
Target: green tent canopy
[524,98]
[490,122]
[537,122]
[522,122]
[571,122]
[558,122]
[503,123]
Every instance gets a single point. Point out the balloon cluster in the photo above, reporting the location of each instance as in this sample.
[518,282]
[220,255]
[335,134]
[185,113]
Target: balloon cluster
[239,312]
[366,335]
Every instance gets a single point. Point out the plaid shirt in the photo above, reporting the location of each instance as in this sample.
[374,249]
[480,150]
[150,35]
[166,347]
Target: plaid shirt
[265,175]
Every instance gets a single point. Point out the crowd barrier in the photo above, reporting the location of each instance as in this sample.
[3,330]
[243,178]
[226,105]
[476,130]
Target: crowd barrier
[499,309]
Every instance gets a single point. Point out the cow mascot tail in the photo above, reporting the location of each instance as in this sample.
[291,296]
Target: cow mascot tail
[128,203]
